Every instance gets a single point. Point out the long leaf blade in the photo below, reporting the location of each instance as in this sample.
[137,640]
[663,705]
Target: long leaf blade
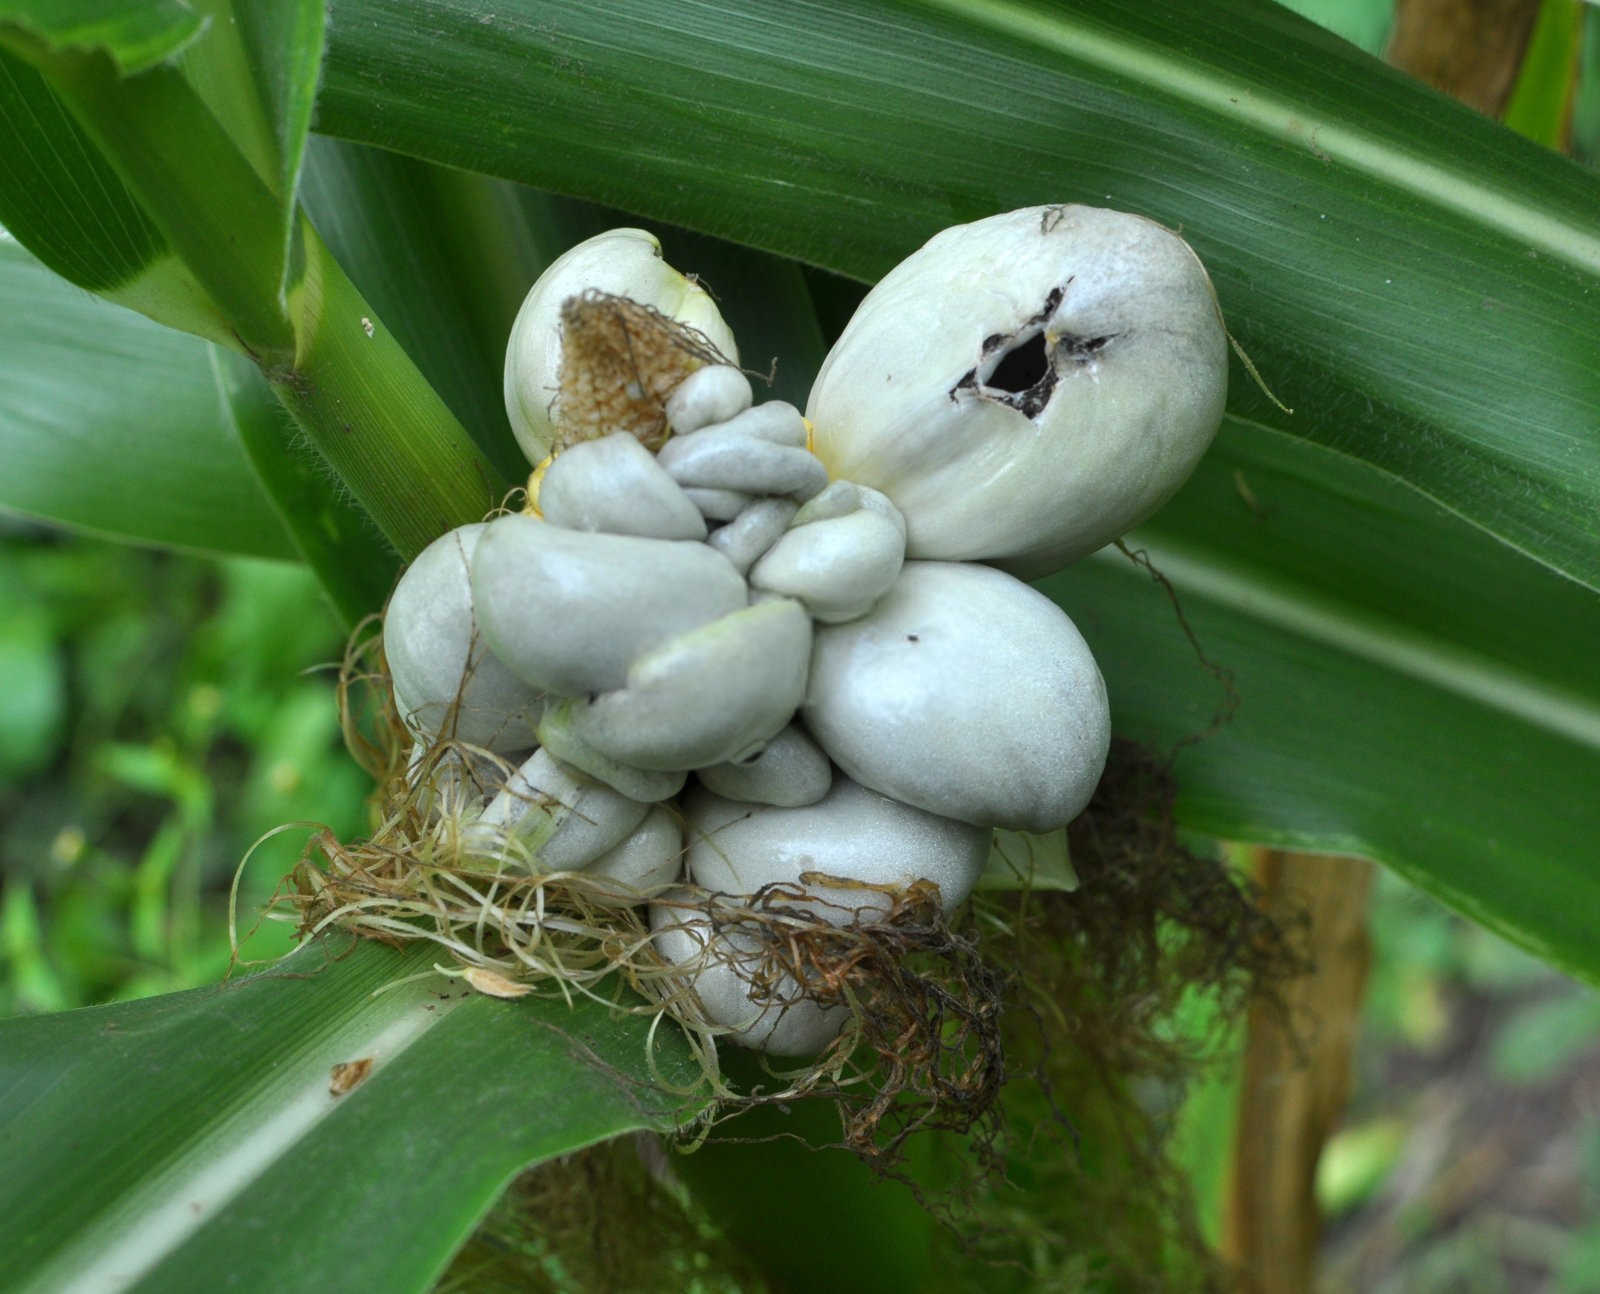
[61,198]
[110,423]
[1416,282]
[257,68]
[199,1119]
[1408,689]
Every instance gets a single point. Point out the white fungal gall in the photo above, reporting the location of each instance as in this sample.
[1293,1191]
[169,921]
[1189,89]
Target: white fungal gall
[753,531]
[966,692]
[624,262]
[790,771]
[836,565]
[615,485]
[844,497]
[718,504]
[446,680]
[736,988]
[852,833]
[1028,387]
[569,611]
[709,395]
[1020,391]
[648,786]
[559,817]
[774,421]
[721,458]
[705,696]
[648,858]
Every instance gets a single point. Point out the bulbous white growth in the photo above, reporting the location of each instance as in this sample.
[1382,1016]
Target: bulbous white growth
[775,421]
[837,562]
[648,786]
[724,458]
[789,771]
[615,486]
[569,611]
[648,858]
[709,395]
[564,819]
[786,1023]
[1027,387]
[705,696]
[624,262]
[445,677]
[753,531]
[852,833]
[718,504]
[966,692]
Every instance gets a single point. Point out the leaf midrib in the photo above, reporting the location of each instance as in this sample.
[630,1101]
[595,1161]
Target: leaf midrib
[128,1238]
[1440,662]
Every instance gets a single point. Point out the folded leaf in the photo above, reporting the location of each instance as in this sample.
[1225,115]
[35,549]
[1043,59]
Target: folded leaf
[133,33]
[61,198]
[110,423]
[336,1121]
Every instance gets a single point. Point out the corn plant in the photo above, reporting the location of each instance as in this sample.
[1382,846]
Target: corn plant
[261,264]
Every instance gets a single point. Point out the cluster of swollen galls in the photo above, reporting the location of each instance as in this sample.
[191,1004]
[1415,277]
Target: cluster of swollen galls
[781,646]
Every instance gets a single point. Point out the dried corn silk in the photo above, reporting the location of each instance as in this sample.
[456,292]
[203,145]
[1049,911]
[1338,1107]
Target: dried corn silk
[619,362]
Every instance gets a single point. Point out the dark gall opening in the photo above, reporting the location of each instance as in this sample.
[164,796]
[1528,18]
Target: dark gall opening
[1021,368]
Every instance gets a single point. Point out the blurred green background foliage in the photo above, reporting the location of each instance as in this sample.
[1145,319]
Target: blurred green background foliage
[159,713]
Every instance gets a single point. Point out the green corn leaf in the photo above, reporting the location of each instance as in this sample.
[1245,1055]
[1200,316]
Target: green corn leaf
[1408,689]
[1415,282]
[256,69]
[1541,101]
[207,1140]
[134,34]
[61,198]
[199,157]
[109,423]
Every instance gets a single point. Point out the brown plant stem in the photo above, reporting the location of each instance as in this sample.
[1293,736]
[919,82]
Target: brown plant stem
[1296,1070]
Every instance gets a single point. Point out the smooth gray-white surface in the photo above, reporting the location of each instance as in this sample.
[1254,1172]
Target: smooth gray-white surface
[569,612]
[844,497]
[648,786]
[615,485]
[709,395]
[705,696]
[650,856]
[835,568]
[753,531]
[789,771]
[718,505]
[1027,387]
[723,966]
[446,680]
[719,458]
[561,817]
[774,421]
[851,833]
[966,692]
